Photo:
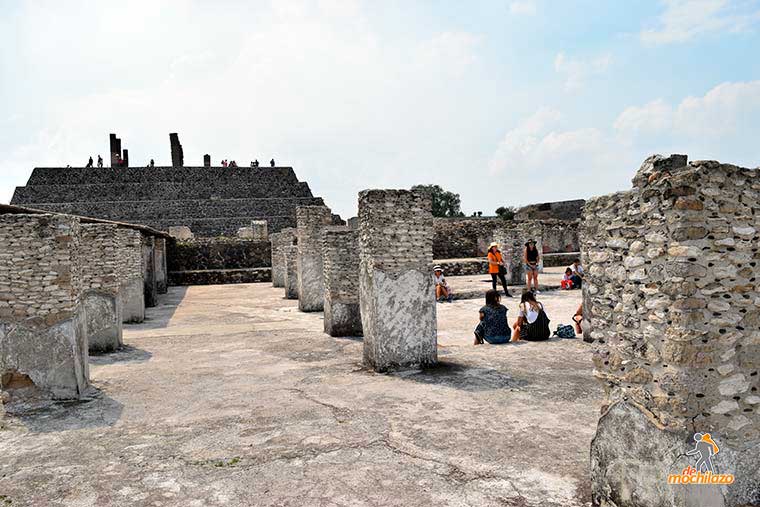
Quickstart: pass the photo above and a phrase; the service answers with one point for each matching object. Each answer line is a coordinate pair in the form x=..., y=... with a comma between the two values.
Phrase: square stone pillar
x=101, y=286
x=311, y=288
x=291, y=272
x=340, y=257
x=396, y=287
x=207, y=160
x=671, y=290
x=42, y=325
x=280, y=240
x=150, y=288
x=162, y=281
x=130, y=265
x=259, y=230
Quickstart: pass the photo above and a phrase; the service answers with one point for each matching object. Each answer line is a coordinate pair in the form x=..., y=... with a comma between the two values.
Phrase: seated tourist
x=578, y=318
x=442, y=289
x=532, y=322
x=493, y=327
x=577, y=275
x=567, y=280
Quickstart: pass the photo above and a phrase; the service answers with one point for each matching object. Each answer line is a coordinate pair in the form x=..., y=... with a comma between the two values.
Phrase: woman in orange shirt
x=496, y=267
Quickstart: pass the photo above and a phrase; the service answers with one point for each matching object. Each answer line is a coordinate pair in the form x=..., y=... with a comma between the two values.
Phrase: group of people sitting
x=532, y=323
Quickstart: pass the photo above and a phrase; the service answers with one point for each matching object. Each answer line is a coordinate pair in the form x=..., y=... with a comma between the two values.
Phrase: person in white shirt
x=442, y=289
x=577, y=276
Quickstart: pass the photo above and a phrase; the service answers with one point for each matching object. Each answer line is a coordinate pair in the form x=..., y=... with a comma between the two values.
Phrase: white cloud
x=594, y=160
x=527, y=7
x=684, y=20
x=577, y=71
x=723, y=110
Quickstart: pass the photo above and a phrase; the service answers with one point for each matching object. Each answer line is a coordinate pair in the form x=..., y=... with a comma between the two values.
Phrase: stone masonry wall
x=130, y=268
x=311, y=289
x=673, y=298
x=340, y=256
x=291, y=272
x=101, y=251
x=278, y=241
x=396, y=287
x=42, y=331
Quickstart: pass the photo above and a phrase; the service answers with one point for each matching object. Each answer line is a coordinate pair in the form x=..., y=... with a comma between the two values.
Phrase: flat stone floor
x=228, y=395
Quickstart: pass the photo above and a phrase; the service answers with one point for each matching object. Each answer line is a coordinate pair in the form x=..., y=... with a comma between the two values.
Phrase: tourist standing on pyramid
x=100, y=161
x=89, y=163
x=271, y=162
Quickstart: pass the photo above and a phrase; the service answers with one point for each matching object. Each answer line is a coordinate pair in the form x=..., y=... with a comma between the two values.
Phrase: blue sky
x=504, y=102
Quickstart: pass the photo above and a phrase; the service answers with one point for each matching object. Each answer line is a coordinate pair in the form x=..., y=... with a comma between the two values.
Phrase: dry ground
x=228, y=395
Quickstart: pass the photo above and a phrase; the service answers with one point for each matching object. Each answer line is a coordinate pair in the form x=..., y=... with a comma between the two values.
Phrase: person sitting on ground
x=577, y=275
x=493, y=327
x=567, y=280
x=224, y=163
x=89, y=163
x=442, y=289
x=532, y=322
x=152, y=163
x=531, y=258
x=256, y=163
x=497, y=268
x=578, y=318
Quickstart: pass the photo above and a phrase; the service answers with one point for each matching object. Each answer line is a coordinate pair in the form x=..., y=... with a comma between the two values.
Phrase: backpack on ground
x=565, y=331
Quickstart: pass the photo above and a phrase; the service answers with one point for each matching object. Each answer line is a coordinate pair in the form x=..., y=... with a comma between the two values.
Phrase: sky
x=505, y=102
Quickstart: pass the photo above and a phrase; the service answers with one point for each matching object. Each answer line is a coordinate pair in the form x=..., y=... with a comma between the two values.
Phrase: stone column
x=340, y=256
x=396, y=287
x=132, y=287
x=43, y=338
x=291, y=272
x=178, y=157
x=115, y=149
x=259, y=230
x=149, y=271
x=280, y=240
x=101, y=286
x=311, y=288
x=671, y=290
x=206, y=160
x=162, y=282
x=125, y=158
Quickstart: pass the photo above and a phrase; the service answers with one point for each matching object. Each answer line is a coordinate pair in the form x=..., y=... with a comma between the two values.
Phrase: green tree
x=506, y=212
x=445, y=203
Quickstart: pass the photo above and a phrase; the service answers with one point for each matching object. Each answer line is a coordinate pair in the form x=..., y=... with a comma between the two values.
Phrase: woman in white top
x=532, y=323
x=442, y=290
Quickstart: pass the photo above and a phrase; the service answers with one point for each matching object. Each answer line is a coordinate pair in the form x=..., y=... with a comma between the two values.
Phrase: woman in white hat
x=442, y=290
x=496, y=267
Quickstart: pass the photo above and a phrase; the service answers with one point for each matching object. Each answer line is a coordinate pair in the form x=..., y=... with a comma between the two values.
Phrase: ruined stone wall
x=674, y=304
x=42, y=332
x=278, y=242
x=130, y=268
x=560, y=210
x=396, y=286
x=101, y=283
x=218, y=253
x=311, y=289
x=457, y=238
x=340, y=256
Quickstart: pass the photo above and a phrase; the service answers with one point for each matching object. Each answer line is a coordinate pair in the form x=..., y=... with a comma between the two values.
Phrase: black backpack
x=538, y=330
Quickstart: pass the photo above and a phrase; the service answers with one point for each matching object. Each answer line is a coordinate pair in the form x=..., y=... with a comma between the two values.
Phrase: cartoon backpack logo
x=705, y=448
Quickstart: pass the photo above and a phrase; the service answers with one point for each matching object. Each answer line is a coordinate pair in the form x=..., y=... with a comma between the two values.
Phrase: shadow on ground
x=462, y=376
x=125, y=354
x=93, y=410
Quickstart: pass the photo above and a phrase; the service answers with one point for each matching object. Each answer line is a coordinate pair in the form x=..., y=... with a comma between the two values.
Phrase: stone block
x=181, y=233
x=162, y=281
x=150, y=287
x=280, y=240
x=103, y=320
x=311, y=288
x=291, y=272
x=397, y=293
x=340, y=256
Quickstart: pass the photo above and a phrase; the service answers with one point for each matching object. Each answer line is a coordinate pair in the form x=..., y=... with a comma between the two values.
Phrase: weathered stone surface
x=280, y=240
x=181, y=232
x=397, y=293
x=42, y=327
x=340, y=257
x=671, y=324
x=291, y=271
x=149, y=270
x=311, y=288
x=162, y=278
